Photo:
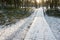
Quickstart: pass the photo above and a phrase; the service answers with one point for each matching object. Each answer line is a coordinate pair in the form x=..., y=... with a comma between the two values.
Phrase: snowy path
x=40, y=30
x=28, y=29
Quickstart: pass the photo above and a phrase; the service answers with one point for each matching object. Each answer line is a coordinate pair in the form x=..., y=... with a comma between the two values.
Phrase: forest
x=10, y=10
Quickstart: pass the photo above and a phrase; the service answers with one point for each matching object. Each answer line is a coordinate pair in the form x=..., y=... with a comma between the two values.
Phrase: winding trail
x=34, y=27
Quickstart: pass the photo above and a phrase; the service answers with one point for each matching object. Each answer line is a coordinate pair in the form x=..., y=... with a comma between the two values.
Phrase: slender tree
x=35, y=3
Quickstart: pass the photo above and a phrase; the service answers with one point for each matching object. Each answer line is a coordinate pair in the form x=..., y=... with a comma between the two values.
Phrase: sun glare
x=38, y=1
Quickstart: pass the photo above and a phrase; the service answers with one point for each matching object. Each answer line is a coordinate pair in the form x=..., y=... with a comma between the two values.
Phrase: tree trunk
x=35, y=4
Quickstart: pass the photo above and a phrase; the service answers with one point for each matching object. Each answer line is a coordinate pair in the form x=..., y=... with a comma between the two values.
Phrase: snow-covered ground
x=40, y=30
x=35, y=27
x=18, y=29
x=54, y=24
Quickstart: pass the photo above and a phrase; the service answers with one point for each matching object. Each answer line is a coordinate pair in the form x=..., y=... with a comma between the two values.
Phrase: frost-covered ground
x=54, y=24
x=40, y=29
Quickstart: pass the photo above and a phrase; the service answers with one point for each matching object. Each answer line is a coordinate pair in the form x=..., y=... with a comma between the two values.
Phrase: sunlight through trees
x=28, y=3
